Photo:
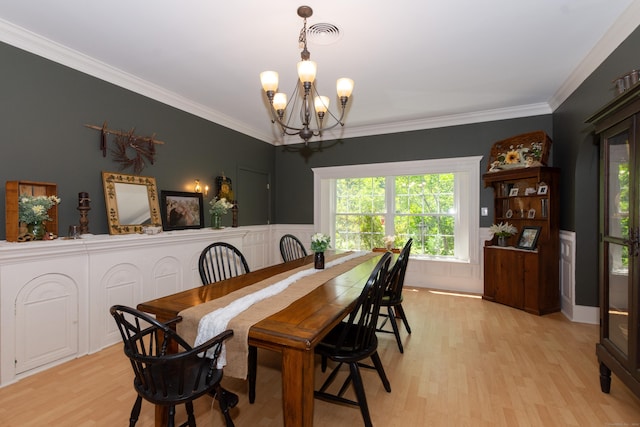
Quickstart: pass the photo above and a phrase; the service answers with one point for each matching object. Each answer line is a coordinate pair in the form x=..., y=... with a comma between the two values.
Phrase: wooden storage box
x=13, y=191
x=530, y=150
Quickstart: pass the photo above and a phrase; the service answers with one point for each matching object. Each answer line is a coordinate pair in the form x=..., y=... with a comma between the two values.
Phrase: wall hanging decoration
x=130, y=150
x=225, y=191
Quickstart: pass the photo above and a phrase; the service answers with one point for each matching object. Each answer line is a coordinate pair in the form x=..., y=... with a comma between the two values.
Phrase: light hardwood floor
x=468, y=362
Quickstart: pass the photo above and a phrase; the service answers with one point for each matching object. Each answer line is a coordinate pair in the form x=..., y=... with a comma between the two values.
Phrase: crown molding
x=450, y=120
x=623, y=27
x=38, y=45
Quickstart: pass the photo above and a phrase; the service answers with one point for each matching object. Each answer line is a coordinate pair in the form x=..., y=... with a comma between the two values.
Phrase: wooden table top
x=301, y=325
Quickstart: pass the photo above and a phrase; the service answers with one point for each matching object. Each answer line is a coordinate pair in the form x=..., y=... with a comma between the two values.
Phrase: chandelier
x=310, y=124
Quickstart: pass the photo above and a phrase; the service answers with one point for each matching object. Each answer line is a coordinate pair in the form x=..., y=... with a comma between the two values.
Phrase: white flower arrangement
x=389, y=241
x=34, y=209
x=219, y=206
x=320, y=242
x=503, y=229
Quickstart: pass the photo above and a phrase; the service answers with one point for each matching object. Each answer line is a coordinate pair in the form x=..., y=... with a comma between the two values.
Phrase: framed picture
x=181, y=210
x=542, y=189
x=225, y=191
x=528, y=238
x=513, y=192
x=531, y=214
x=509, y=213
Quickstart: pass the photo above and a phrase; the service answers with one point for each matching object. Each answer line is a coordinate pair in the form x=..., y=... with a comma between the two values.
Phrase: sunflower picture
x=512, y=157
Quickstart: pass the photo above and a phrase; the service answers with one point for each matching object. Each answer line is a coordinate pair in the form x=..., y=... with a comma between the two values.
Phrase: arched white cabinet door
x=46, y=311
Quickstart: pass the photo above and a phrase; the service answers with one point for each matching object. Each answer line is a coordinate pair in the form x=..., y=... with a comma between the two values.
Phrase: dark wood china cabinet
x=617, y=125
x=525, y=278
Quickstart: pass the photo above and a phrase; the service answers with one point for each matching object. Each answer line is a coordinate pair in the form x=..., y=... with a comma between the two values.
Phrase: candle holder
x=234, y=215
x=84, y=208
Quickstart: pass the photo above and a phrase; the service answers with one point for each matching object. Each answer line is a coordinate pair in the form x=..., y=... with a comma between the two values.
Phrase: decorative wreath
x=143, y=151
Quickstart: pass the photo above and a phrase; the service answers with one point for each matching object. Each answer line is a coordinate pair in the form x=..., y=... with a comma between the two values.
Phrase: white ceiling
x=416, y=64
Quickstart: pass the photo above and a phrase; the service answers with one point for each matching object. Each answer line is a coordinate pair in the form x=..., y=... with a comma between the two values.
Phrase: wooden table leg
x=297, y=387
x=162, y=416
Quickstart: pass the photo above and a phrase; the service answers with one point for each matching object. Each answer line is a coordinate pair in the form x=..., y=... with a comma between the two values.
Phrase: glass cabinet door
x=619, y=236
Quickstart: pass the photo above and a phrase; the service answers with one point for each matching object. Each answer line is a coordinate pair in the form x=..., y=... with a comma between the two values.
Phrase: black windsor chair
x=166, y=378
x=220, y=261
x=392, y=298
x=291, y=248
x=354, y=340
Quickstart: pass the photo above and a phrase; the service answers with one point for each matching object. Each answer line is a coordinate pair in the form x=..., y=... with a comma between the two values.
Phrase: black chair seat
x=390, y=299
x=349, y=349
x=175, y=379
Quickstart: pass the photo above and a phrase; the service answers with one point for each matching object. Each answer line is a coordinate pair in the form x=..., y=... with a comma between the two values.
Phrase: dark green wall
x=294, y=180
x=44, y=107
x=577, y=155
x=573, y=151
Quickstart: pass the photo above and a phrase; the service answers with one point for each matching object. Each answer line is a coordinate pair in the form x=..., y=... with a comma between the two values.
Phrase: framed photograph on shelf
x=513, y=192
x=542, y=189
x=531, y=214
x=181, y=210
x=529, y=237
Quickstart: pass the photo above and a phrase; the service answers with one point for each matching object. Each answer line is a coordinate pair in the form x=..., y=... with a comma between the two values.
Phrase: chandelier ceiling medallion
x=310, y=124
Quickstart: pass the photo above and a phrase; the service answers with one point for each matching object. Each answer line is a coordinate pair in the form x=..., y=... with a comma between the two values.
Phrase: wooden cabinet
x=617, y=125
x=527, y=279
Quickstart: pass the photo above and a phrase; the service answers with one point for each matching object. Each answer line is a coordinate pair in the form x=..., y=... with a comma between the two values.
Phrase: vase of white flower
x=319, y=244
x=318, y=260
x=503, y=231
x=218, y=208
x=37, y=230
x=34, y=211
x=216, y=221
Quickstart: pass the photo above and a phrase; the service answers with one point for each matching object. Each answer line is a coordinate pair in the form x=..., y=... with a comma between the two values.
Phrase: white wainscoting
x=574, y=312
x=55, y=295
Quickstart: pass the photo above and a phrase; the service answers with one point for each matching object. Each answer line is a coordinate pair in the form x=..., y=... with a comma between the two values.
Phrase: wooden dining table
x=293, y=331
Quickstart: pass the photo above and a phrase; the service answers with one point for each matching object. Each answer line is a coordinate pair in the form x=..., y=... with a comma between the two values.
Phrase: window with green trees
x=435, y=202
x=421, y=207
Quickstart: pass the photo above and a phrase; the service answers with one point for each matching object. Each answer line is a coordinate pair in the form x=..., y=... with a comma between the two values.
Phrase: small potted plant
x=503, y=231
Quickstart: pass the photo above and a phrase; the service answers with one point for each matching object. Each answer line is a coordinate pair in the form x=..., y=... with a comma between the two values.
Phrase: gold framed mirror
x=131, y=202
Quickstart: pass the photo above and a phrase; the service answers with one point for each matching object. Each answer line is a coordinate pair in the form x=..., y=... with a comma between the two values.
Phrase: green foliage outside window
x=623, y=207
x=424, y=210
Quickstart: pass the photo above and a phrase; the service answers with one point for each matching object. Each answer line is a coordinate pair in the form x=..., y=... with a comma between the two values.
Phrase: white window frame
x=467, y=201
